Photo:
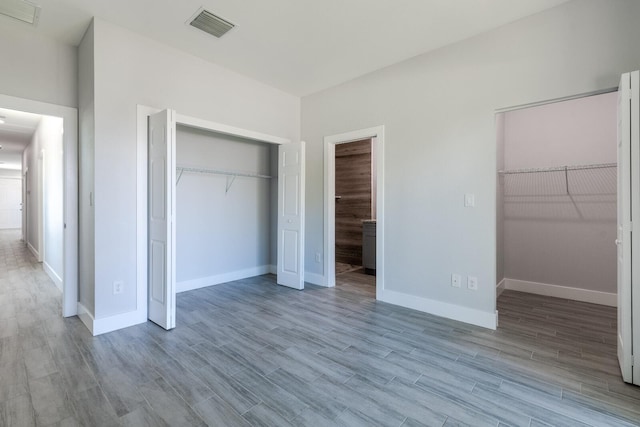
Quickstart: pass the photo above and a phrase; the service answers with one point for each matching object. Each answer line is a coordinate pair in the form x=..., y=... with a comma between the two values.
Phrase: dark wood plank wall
x=353, y=186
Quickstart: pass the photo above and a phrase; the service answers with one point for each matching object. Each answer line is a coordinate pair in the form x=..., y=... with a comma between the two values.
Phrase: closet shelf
x=559, y=168
x=579, y=180
x=230, y=174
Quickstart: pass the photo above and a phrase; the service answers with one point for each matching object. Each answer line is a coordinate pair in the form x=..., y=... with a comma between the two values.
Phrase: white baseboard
x=500, y=288
x=577, y=294
x=438, y=308
x=52, y=275
x=203, y=282
x=315, y=279
x=111, y=323
x=33, y=251
x=273, y=269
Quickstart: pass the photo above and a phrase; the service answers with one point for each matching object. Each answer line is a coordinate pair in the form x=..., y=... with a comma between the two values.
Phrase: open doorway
x=354, y=220
x=355, y=213
x=39, y=153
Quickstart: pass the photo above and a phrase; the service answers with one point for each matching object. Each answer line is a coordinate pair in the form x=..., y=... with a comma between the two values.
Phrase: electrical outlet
x=318, y=257
x=472, y=283
x=118, y=287
x=469, y=200
x=456, y=280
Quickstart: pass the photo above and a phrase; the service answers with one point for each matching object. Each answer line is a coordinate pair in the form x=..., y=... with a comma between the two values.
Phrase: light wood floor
x=253, y=353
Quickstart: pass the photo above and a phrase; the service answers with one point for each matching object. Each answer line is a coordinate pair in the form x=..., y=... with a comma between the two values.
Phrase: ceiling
x=15, y=135
x=298, y=46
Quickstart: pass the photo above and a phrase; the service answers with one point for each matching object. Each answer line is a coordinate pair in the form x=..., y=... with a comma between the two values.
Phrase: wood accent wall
x=353, y=186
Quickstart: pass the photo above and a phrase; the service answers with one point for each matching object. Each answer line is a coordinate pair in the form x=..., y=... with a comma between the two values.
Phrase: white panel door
x=291, y=160
x=624, y=238
x=10, y=203
x=635, y=219
x=161, y=213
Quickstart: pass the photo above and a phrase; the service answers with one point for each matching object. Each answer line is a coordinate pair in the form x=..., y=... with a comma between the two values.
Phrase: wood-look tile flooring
x=253, y=353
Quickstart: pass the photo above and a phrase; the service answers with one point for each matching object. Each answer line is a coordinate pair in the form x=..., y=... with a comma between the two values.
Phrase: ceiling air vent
x=21, y=10
x=210, y=23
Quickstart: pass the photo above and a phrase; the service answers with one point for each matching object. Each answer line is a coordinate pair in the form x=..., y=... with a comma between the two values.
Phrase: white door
x=161, y=213
x=627, y=175
x=634, y=297
x=291, y=160
x=10, y=203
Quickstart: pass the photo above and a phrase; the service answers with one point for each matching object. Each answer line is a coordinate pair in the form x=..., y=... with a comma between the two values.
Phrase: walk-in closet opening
x=556, y=220
x=355, y=213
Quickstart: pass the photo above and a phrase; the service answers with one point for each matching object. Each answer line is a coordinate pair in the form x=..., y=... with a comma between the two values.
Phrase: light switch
x=469, y=200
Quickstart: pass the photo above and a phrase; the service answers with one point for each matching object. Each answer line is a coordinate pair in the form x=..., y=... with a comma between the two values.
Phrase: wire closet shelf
x=231, y=175
x=564, y=172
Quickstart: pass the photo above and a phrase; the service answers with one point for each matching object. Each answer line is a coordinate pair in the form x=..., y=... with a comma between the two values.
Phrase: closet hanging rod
x=181, y=169
x=559, y=168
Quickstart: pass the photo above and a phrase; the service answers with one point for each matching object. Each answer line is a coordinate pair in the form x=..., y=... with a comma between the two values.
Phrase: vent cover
x=21, y=10
x=210, y=23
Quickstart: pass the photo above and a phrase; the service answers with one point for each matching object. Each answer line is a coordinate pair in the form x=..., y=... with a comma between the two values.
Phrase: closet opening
x=226, y=191
x=223, y=204
x=557, y=193
x=355, y=214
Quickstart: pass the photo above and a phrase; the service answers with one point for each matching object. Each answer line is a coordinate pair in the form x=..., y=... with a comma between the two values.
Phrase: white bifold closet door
x=291, y=162
x=629, y=214
x=161, y=219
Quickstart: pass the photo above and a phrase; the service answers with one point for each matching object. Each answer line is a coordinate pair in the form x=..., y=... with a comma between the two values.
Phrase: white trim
x=442, y=309
x=108, y=324
x=229, y=130
x=566, y=292
x=330, y=142
x=203, y=282
x=70, y=153
x=33, y=251
x=119, y=321
x=500, y=288
x=314, y=279
x=52, y=275
x=556, y=100
x=273, y=269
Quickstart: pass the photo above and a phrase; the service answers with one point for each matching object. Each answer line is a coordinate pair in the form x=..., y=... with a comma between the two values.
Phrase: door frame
x=143, y=112
x=376, y=134
x=69, y=116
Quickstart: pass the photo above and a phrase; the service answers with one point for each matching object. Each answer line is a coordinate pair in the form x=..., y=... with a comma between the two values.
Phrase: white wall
x=43, y=159
x=162, y=77
x=551, y=237
x=439, y=110
x=219, y=232
x=10, y=173
x=35, y=67
x=86, y=149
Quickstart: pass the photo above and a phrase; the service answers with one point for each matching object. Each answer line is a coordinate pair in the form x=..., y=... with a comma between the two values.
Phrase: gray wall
x=35, y=67
x=45, y=192
x=551, y=237
x=221, y=232
x=162, y=77
x=439, y=113
x=86, y=149
x=499, y=198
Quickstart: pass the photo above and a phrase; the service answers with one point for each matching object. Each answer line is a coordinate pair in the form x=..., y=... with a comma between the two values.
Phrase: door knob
x=618, y=242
